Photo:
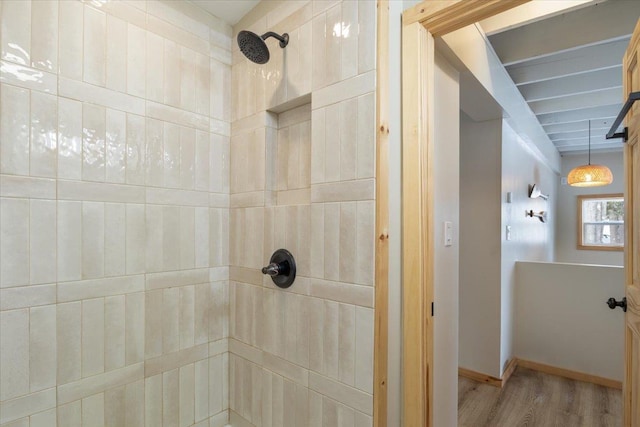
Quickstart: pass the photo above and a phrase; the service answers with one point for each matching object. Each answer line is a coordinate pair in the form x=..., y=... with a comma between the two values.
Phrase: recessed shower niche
x=288, y=195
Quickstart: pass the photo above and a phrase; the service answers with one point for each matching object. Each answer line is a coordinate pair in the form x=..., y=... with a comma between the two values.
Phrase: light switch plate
x=508, y=232
x=448, y=233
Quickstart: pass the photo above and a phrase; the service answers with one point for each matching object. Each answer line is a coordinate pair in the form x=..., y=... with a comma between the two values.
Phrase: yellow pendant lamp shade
x=590, y=175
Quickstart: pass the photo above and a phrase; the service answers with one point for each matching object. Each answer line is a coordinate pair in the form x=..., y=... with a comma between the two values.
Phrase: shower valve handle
x=272, y=269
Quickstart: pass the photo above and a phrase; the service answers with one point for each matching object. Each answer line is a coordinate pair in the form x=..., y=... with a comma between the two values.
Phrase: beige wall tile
x=69, y=135
x=201, y=390
x=94, y=46
x=93, y=337
x=115, y=406
x=170, y=320
x=27, y=296
x=349, y=396
x=99, y=383
x=153, y=323
x=85, y=289
x=43, y=144
x=135, y=404
x=135, y=239
x=364, y=349
x=349, y=32
x=116, y=134
x=42, y=347
x=114, y=326
x=171, y=398
x=70, y=414
x=16, y=32
x=69, y=340
x=330, y=342
x=187, y=316
x=23, y=186
x=347, y=242
x=93, y=143
x=69, y=240
x=93, y=411
x=92, y=240
x=155, y=63
x=42, y=241
x=114, y=239
x=11, y=410
x=71, y=17
x=135, y=149
x=187, y=395
x=14, y=145
x=14, y=242
x=134, y=328
x=14, y=353
x=44, y=418
x=136, y=60
x=346, y=344
x=153, y=401
x=366, y=135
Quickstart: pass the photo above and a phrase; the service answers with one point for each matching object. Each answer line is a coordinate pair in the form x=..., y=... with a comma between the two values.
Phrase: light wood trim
x=481, y=378
x=579, y=244
x=442, y=17
x=381, y=332
x=511, y=367
x=418, y=58
x=632, y=319
x=567, y=373
x=417, y=219
x=488, y=379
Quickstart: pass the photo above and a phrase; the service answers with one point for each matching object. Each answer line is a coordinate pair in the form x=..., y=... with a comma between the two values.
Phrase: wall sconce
x=542, y=215
x=535, y=192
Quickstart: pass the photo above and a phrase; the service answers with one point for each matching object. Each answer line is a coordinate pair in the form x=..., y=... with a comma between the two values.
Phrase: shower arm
x=283, y=39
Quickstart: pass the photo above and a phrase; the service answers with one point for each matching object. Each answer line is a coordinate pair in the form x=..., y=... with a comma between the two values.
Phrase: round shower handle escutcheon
x=281, y=268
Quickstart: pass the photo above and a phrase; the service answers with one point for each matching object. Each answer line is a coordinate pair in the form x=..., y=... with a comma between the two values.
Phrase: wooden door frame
x=420, y=25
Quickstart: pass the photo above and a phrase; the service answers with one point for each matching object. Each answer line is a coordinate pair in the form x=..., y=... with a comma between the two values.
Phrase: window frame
x=580, y=245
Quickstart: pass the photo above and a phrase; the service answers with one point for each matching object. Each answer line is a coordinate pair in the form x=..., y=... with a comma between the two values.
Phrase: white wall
x=562, y=319
x=531, y=240
x=446, y=201
x=479, y=296
x=567, y=227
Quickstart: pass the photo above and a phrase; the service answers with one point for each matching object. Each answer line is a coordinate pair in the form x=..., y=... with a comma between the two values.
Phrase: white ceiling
x=568, y=68
x=230, y=11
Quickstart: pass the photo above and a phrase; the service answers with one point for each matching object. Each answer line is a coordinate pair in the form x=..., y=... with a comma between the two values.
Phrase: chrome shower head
x=254, y=47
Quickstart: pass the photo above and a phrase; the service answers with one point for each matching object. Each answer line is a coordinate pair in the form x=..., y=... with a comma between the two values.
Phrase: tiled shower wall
x=302, y=168
x=114, y=186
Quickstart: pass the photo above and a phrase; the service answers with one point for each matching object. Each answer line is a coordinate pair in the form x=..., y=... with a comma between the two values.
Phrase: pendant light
x=590, y=175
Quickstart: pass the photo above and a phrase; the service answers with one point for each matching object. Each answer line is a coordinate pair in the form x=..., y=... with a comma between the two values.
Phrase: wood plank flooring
x=531, y=398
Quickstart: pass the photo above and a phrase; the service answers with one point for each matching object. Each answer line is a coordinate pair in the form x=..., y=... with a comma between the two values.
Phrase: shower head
x=254, y=47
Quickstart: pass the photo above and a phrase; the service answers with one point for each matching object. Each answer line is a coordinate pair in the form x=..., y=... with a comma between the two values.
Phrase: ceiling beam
x=596, y=123
x=579, y=115
x=588, y=82
x=594, y=146
x=589, y=58
x=581, y=100
x=582, y=134
x=527, y=13
x=613, y=19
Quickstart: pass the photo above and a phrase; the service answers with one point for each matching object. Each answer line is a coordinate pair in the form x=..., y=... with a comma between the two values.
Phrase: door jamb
x=421, y=24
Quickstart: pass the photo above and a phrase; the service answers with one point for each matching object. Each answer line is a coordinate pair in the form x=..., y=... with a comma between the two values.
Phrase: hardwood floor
x=531, y=398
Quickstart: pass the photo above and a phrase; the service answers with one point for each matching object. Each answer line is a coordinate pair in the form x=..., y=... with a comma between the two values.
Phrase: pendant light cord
x=589, y=142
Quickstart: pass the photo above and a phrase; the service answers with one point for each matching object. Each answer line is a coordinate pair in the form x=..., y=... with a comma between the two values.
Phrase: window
x=601, y=222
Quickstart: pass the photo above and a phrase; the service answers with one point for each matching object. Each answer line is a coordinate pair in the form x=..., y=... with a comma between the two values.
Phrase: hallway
x=531, y=398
